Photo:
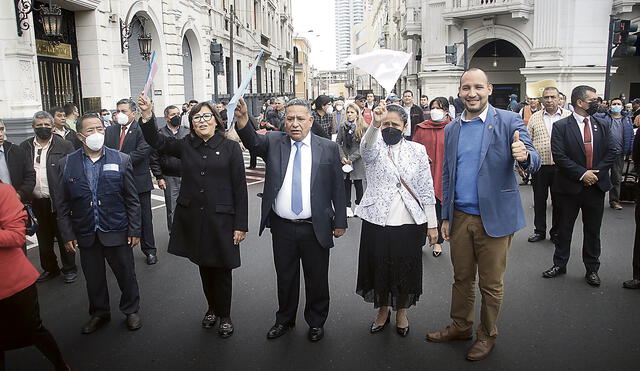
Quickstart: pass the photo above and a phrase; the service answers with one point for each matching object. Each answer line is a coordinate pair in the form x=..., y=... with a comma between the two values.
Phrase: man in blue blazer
x=304, y=205
x=481, y=207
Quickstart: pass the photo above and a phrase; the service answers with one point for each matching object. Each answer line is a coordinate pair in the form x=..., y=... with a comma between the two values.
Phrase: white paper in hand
x=231, y=107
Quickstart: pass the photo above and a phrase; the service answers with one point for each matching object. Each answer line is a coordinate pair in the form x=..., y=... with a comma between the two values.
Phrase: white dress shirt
x=41, y=189
x=282, y=204
x=549, y=119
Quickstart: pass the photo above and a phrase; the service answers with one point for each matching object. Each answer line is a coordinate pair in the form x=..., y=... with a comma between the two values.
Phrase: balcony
x=460, y=10
x=623, y=6
x=413, y=24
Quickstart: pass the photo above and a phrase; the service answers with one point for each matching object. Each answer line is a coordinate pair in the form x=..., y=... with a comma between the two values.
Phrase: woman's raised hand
x=379, y=114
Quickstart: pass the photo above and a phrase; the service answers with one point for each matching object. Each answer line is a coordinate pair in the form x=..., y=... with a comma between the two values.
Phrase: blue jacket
x=498, y=193
x=627, y=130
x=118, y=207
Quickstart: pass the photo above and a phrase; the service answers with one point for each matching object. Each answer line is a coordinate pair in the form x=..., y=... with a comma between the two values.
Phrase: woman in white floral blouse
x=397, y=209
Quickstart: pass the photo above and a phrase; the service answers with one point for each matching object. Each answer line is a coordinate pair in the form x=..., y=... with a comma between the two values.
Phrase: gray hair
x=399, y=110
x=132, y=105
x=300, y=102
x=42, y=115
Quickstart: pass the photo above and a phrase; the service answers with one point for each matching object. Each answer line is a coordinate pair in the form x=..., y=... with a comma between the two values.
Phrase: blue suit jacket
x=498, y=194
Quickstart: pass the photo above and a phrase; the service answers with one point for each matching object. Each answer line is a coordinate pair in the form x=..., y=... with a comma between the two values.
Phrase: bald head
x=474, y=91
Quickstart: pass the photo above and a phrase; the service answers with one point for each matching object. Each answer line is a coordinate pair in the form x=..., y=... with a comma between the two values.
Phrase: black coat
x=327, y=184
x=59, y=149
x=72, y=137
x=166, y=165
x=416, y=116
x=568, y=152
x=213, y=197
x=23, y=177
x=135, y=146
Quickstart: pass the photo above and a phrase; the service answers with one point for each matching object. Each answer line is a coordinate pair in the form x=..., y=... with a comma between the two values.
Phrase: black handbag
x=32, y=221
x=629, y=184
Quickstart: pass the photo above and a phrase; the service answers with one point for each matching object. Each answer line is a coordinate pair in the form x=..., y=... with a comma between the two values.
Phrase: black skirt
x=390, y=264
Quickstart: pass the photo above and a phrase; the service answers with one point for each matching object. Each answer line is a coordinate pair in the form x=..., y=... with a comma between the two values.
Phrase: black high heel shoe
x=209, y=320
x=377, y=328
x=403, y=331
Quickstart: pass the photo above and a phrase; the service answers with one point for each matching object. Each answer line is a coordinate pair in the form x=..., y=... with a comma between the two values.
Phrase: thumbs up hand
x=518, y=150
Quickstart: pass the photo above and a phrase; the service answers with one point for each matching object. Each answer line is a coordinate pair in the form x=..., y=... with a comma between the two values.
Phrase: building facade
x=348, y=13
x=515, y=41
x=302, y=65
x=332, y=83
x=98, y=59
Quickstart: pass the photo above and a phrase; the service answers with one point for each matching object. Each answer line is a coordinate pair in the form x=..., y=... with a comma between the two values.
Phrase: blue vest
x=112, y=215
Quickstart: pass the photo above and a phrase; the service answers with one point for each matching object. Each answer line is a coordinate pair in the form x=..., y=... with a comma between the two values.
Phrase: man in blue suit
x=481, y=207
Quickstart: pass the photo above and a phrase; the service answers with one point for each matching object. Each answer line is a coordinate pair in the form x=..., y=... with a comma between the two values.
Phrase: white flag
x=384, y=65
x=231, y=106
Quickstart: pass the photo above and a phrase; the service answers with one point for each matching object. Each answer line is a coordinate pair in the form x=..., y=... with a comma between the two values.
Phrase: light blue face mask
x=616, y=109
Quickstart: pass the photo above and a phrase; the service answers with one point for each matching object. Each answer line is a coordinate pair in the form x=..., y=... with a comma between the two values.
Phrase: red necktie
x=123, y=134
x=588, y=145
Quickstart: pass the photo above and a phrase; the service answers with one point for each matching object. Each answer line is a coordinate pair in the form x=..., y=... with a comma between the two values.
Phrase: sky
x=319, y=17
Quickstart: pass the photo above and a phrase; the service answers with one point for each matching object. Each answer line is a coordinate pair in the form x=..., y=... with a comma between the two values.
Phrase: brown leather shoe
x=481, y=349
x=449, y=334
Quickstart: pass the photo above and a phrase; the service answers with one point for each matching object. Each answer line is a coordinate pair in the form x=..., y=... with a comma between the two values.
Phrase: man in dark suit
x=583, y=150
x=127, y=138
x=99, y=213
x=303, y=187
x=413, y=111
x=15, y=169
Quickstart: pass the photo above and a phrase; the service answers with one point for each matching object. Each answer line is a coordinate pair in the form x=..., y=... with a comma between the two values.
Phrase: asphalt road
x=545, y=324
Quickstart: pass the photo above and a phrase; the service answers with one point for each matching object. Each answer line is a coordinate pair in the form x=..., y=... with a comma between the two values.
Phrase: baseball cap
x=360, y=97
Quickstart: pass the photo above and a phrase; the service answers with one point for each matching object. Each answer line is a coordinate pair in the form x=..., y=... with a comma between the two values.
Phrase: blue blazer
x=498, y=193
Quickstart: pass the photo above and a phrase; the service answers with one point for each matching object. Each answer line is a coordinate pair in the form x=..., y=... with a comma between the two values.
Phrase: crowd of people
x=88, y=181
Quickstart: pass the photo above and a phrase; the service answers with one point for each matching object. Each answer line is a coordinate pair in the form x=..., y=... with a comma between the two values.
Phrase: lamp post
x=144, y=43
x=281, y=63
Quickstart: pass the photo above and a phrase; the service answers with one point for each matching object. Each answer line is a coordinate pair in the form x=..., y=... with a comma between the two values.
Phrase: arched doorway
x=138, y=67
x=187, y=70
x=502, y=61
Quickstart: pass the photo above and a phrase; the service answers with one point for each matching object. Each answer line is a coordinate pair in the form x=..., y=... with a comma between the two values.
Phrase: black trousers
x=636, y=245
x=216, y=283
x=120, y=259
x=293, y=242
x=20, y=326
x=253, y=161
x=347, y=188
x=147, y=241
x=591, y=202
x=47, y=232
x=542, y=182
x=439, y=216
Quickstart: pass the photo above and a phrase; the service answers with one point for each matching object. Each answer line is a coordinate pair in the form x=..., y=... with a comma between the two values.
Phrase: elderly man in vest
x=99, y=214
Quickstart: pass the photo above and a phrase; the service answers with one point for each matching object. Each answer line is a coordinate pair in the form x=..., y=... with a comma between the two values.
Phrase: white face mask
x=437, y=114
x=329, y=110
x=338, y=108
x=95, y=141
x=106, y=117
x=122, y=118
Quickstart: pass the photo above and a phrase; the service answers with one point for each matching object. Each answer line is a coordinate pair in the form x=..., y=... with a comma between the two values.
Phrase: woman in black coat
x=210, y=218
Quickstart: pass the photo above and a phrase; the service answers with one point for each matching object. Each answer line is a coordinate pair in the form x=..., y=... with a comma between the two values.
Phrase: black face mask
x=175, y=121
x=593, y=108
x=391, y=135
x=43, y=133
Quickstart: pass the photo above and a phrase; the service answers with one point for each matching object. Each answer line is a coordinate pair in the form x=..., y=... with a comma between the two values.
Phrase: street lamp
x=51, y=18
x=144, y=43
x=281, y=63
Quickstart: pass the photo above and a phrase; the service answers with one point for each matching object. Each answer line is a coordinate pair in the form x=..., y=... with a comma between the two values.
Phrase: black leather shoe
x=209, y=320
x=152, y=259
x=631, y=284
x=316, y=333
x=403, y=331
x=278, y=330
x=225, y=328
x=377, y=328
x=94, y=324
x=133, y=321
x=535, y=237
x=46, y=276
x=70, y=277
x=554, y=238
x=554, y=272
x=592, y=279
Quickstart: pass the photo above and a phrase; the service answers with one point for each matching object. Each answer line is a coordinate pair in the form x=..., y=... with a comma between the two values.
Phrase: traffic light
x=623, y=38
x=216, y=53
x=451, y=54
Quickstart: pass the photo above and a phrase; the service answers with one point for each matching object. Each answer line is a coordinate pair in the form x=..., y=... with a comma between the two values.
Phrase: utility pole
x=466, y=46
x=231, y=61
x=607, y=76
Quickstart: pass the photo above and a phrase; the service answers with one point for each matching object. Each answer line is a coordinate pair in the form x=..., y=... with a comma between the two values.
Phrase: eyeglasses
x=204, y=117
x=38, y=155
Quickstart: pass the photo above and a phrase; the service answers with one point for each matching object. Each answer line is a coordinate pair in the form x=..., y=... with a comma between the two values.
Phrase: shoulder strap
x=403, y=182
